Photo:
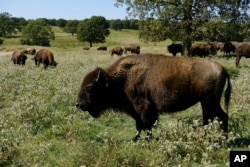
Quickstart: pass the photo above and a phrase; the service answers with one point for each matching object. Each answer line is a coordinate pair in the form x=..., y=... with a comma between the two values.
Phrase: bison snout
x=81, y=106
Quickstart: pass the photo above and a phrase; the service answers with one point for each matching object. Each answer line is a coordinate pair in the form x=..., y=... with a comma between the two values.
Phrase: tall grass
x=40, y=125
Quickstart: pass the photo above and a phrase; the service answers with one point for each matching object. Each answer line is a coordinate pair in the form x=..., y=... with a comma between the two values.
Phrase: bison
x=228, y=48
x=46, y=57
x=116, y=50
x=242, y=50
x=133, y=48
x=203, y=50
x=18, y=57
x=175, y=48
x=104, y=48
x=146, y=85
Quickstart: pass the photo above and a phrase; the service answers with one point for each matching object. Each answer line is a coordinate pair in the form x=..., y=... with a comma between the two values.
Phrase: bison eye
x=88, y=89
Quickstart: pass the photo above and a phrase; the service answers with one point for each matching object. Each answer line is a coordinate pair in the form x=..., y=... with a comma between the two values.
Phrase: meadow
x=41, y=127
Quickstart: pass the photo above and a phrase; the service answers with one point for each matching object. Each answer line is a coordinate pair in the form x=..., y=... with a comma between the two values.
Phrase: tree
x=37, y=32
x=187, y=18
x=7, y=26
x=116, y=24
x=93, y=30
x=71, y=26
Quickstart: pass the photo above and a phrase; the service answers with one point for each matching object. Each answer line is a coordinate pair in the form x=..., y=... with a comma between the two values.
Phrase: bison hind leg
x=210, y=112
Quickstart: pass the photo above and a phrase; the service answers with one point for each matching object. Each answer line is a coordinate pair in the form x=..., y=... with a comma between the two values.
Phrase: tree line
x=179, y=20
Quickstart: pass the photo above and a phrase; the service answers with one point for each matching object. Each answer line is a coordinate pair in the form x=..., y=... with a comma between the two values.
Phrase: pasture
x=40, y=125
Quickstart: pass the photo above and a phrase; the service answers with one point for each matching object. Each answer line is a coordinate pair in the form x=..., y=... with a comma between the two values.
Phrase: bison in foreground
x=18, y=57
x=146, y=85
x=46, y=57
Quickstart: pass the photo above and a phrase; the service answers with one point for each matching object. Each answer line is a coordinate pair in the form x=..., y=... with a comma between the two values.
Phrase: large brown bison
x=18, y=57
x=203, y=50
x=133, y=48
x=242, y=50
x=175, y=48
x=116, y=50
x=146, y=85
x=46, y=57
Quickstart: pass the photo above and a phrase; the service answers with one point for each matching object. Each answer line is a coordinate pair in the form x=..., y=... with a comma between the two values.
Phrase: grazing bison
x=175, y=48
x=203, y=50
x=46, y=57
x=242, y=50
x=146, y=85
x=18, y=57
x=85, y=48
x=102, y=48
x=228, y=48
x=116, y=50
x=133, y=48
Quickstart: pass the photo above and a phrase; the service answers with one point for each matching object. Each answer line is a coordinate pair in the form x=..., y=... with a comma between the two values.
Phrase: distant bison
x=242, y=50
x=228, y=48
x=203, y=50
x=116, y=50
x=85, y=48
x=133, y=48
x=102, y=48
x=175, y=48
x=18, y=57
x=46, y=57
x=146, y=85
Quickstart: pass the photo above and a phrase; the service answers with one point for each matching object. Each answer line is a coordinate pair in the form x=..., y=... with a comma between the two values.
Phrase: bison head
x=93, y=93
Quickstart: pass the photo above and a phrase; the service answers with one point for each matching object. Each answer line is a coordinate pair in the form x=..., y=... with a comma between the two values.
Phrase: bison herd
x=241, y=49
x=43, y=56
x=146, y=85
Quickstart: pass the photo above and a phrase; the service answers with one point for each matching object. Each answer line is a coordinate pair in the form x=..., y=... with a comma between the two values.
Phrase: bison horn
x=98, y=75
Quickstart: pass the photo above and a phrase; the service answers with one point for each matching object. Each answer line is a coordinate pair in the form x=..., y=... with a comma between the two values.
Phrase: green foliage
x=71, y=26
x=93, y=30
x=37, y=32
x=7, y=26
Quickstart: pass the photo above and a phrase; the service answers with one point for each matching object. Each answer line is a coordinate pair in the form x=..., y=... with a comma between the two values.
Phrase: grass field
x=41, y=127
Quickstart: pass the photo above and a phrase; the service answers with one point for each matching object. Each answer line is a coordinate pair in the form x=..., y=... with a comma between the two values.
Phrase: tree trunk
x=187, y=25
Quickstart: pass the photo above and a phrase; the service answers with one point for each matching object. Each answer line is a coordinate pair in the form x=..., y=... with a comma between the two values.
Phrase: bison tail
x=228, y=92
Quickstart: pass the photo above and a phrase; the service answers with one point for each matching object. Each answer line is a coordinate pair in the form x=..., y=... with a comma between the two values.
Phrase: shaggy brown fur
x=46, y=57
x=145, y=85
x=18, y=57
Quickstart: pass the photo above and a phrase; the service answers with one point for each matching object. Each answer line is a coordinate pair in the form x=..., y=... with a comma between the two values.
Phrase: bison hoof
x=136, y=138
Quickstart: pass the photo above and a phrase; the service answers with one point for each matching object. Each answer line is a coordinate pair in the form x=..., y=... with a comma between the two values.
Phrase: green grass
x=40, y=125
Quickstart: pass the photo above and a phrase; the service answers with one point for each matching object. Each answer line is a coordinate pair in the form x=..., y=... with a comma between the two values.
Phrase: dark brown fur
x=46, y=57
x=175, y=48
x=116, y=50
x=146, y=85
x=242, y=50
x=203, y=50
x=19, y=58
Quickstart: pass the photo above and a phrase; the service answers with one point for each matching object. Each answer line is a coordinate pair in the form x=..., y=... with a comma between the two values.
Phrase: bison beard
x=145, y=85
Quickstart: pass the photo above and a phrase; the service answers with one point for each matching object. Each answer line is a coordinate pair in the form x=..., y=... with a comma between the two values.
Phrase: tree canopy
x=37, y=32
x=7, y=25
x=187, y=20
x=93, y=30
